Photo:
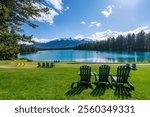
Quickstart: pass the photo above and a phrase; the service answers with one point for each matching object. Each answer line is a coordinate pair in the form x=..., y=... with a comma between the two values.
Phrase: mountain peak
x=62, y=43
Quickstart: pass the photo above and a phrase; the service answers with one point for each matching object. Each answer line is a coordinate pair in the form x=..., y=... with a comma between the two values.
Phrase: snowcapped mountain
x=109, y=33
x=103, y=35
x=62, y=43
x=79, y=39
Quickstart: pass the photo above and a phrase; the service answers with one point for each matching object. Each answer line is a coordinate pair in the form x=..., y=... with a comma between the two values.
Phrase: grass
x=32, y=83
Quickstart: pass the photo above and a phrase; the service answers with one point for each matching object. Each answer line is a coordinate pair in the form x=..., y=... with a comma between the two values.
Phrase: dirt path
x=7, y=67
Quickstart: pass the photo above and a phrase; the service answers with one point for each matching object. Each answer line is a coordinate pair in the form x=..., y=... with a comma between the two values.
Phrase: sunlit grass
x=30, y=82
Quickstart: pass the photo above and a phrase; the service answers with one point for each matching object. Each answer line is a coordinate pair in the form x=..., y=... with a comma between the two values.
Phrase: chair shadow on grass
x=123, y=92
x=100, y=89
x=78, y=89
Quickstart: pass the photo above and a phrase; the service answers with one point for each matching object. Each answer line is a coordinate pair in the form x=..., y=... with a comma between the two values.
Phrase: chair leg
x=130, y=85
x=110, y=84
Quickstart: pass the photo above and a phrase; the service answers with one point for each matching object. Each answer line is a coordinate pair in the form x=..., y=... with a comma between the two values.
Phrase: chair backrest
x=47, y=64
x=85, y=73
x=52, y=64
x=43, y=64
x=39, y=65
x=104, y=73
x=123, y=74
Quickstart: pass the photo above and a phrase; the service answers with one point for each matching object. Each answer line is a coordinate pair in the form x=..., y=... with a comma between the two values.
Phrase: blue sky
x=75, y=18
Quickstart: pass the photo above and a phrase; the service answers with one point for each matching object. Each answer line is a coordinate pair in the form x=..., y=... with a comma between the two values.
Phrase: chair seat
x=98, y=78
x=91, y=73
x=114, y=79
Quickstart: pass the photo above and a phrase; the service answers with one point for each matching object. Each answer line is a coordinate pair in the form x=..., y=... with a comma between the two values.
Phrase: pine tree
x=140, y=41
x=13, y=14
x=147, y=42
x=131, y=42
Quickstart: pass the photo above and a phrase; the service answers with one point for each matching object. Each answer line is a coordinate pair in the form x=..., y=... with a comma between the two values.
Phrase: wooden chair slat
x=103, y=73
x=85, y=73
x=122, y=76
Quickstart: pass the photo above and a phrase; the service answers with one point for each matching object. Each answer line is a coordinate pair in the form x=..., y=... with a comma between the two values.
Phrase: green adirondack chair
x=39, y=64
x=43, y=64
x=85, y=74
x=102, y=76
x=52, y=65
x=122, y=77
x=47, y=64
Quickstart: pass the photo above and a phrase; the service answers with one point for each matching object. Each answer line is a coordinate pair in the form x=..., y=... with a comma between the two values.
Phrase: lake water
x=88, y=56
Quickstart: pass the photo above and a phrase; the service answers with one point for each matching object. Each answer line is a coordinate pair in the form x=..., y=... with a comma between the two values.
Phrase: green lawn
x=30, y=82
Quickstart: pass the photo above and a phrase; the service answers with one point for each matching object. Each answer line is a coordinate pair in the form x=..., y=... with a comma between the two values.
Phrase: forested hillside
x=130, y=42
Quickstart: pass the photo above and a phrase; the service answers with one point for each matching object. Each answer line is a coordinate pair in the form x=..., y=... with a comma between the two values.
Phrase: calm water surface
x=88, y=56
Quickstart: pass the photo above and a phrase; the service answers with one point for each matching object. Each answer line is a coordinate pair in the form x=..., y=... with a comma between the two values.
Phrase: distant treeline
x=27, y=49
x=131, y=42
x=65, y=48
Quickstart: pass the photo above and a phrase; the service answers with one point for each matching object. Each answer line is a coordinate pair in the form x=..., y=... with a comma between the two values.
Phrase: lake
x=88, y=56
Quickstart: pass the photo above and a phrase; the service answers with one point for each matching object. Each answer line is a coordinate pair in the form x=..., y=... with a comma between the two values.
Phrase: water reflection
x=88, y=56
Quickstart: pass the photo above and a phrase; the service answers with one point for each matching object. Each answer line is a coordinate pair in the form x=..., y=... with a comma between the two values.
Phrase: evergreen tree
x=147, y=42
x=13, y=14
x=23, y=48
x=129, y=43
x=140, y=41
x=133, y=42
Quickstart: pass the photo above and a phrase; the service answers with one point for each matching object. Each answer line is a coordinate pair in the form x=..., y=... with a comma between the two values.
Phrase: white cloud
x=37, y=40
x=58, y=4
x=67, y=8
x=107, y=11
x=48, y=17
x=83, y=22
x=40, y=40
x=97, y=24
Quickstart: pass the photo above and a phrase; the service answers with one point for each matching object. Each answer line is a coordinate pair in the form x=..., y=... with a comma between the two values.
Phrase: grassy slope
x=30, y=82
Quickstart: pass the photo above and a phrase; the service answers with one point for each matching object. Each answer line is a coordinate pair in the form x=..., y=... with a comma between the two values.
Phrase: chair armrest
x=92, y=73
x=113, y=78
x=96, y=75
x=110, y=74
x=91, y=80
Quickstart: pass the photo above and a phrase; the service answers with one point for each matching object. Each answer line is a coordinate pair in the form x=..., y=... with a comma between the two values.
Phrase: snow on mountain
x=108, y=33
x=62, y=43
x=79, y=39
